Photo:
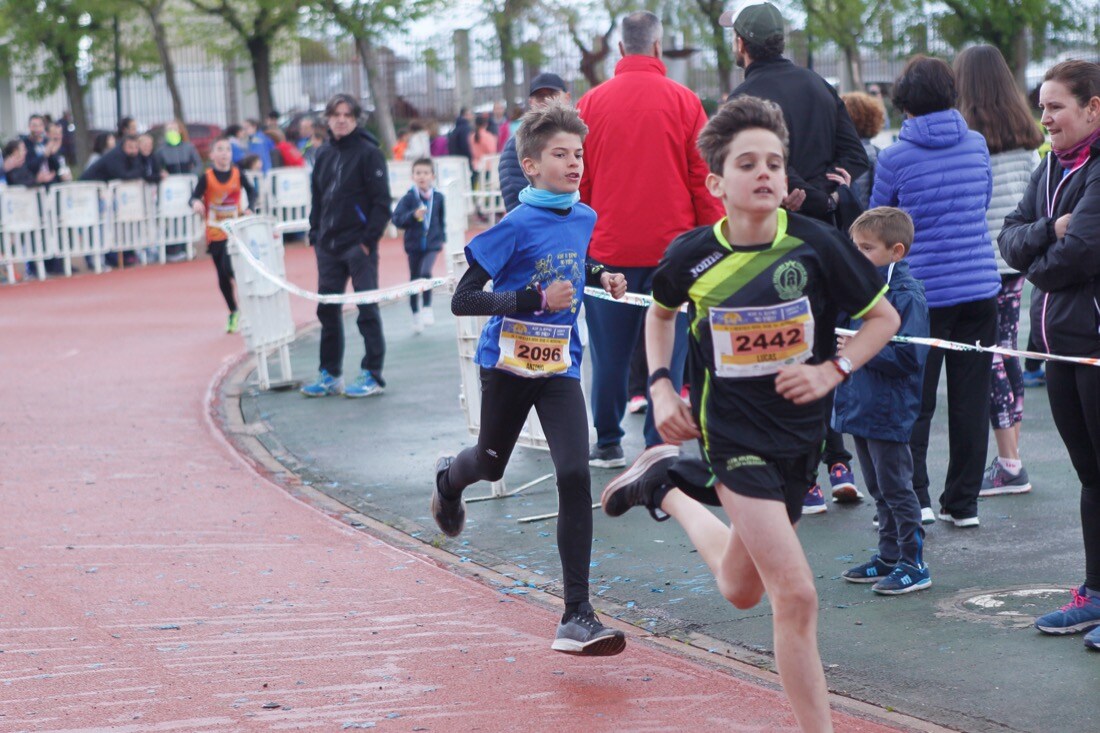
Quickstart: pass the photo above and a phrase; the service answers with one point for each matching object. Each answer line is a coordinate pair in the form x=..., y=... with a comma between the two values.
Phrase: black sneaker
x=449, y=514
x=583, y=634
x=608, y=456
x=641, y=484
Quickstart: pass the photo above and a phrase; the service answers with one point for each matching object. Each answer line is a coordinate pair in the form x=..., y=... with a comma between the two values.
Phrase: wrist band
x=659, y=374
x=542, y=294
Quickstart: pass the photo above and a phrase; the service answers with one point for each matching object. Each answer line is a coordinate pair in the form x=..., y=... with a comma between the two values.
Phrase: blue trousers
x=888, y=474
x=614, y=329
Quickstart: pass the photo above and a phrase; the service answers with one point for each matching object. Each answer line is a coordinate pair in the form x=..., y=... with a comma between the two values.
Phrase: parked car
x=202, y=134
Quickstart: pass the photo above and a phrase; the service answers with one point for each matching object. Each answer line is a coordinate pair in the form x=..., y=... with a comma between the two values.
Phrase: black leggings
x=420, y=266
x=220, y=254
x=506, y=400
x=1074, y=392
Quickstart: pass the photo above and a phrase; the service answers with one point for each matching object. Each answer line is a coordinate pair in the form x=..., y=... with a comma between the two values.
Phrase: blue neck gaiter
x=544, y=199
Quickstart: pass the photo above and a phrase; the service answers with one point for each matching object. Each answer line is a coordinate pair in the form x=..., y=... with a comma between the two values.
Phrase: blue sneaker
x=1037, y=378
x=843, y=484
x=904, y=578
x=325, y=385
x=365, y=385
x=1092, y=639
x=814, y=501
x=1080, y=614
x=871, y=571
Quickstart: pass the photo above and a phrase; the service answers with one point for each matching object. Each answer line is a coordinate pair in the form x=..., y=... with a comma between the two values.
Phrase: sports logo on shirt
x=790, y=279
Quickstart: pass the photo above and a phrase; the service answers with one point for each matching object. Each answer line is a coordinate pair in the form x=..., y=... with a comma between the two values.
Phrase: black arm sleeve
x=470, y=299
x=249, y=191
x=200, y=189
x=592, y=273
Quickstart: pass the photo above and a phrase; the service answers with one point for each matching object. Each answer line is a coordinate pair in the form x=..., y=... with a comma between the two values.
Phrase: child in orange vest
x=223, y=192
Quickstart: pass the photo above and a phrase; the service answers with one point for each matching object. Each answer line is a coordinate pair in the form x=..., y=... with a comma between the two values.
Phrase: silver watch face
x=845, y=364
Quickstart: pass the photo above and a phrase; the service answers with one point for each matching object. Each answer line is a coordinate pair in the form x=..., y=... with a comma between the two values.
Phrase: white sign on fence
x=78, y=205
x=292, y=187
x=21, y=213
x=129, y=201
x=175, y=195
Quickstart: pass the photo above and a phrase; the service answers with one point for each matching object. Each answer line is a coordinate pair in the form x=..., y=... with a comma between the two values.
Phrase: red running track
x=152, y=581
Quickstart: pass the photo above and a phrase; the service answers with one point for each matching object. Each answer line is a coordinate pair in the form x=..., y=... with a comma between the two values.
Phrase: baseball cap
x=754, y=22
x=546, y=81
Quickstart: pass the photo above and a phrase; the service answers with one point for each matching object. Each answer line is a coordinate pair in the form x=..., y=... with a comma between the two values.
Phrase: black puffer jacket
x=1066, y=271
x=114, y=165
x=351, y=193
x=512, y=180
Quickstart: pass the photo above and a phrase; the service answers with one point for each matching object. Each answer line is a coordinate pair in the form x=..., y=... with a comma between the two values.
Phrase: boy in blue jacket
x=879, y=405
x=420, y=213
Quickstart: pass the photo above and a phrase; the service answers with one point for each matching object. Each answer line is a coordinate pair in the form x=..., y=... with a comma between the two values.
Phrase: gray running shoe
x=449, y=514
x=582, y=634
x=998, y=481
x=609, y=456
x=640, y=484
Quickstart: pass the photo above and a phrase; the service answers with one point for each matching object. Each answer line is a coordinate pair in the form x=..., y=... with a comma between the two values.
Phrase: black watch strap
x=659, y=374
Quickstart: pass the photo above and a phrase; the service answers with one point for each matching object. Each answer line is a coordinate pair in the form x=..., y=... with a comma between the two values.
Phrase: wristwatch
x=843, y=365
x=659, y=374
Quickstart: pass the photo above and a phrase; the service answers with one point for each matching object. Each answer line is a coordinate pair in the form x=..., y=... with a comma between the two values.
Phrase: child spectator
x=868, y=115
x=420, y=145
x=402, y=143
x=993, y=105
x=223, y=192
x=879, y=405
x=291, y=157
x=320, y=134
x=530, y=353
x=151, y=170
x=762, y=287
x=251, y=164
x=482, y=142
x=420, y=213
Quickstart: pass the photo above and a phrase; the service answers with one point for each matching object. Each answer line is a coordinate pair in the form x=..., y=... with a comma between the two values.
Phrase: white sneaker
x=927, y=516
x=427, y=317
x=418, y=323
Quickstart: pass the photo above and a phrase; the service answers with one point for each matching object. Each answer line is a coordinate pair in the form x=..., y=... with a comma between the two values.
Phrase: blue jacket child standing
x=878, y=406
x=421, y=213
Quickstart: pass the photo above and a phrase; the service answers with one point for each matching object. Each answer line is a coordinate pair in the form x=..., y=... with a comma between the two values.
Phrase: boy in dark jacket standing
x=879, y=405
x=421, y=214
x=351, y=208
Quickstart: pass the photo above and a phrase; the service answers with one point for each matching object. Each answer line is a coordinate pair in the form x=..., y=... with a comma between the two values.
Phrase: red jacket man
x=645, y=178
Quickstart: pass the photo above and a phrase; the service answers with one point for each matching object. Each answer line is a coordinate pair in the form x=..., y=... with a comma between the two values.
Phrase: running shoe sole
x=846, y=494
x=649, y=457
x=919, y=585
x=607, y=462
x=1003, y=490
x=1067, y=630
x=818, y=509
x=964, y=523
x=605, y=646
x=359, y=396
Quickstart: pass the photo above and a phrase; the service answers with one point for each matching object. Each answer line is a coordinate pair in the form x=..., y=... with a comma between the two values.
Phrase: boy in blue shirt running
x=530, y=354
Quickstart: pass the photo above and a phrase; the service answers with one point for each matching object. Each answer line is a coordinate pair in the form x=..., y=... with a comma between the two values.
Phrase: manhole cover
x=1017, y=607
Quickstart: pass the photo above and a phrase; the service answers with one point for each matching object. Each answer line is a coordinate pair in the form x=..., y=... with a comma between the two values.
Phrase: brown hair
x=866, y=112
x=541, y=124
x=184, y=135
x=733, y=118
x=275, y=134
x=1082, y=78
x=991, y=103
x=886, y=224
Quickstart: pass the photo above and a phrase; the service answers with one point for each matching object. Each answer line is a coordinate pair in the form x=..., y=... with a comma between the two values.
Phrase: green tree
x=1010, y=25
x=68, y=34
x=154, y=11
x=259, y=24
x=366, y=22
x=721, y=43
x=591, y=20
x=506, y=16
x=845, y=22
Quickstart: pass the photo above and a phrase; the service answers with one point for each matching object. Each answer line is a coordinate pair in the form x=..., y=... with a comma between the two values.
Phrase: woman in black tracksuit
x=1053, y=237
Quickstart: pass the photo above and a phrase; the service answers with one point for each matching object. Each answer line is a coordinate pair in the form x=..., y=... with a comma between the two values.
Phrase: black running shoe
x=583, y=634
x=449, y=514
x=641, y=484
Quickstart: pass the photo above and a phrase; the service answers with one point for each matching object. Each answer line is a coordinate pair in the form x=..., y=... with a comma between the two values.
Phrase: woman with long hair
x=993, y=105
x=177, y=154
x=938, y=173
x=1053, y=237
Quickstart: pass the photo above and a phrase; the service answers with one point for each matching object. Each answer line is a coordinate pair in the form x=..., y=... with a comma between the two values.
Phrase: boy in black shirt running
x=763, y=289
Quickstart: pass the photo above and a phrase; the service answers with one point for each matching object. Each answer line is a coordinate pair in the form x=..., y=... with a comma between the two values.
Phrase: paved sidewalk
x=152, y=580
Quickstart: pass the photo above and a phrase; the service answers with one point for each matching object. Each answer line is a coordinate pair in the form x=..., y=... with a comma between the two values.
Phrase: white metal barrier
x=25, y=231
x=128, y=213
x=175, y=222
x=265, y=307
x=78, y=219
x=288, y=197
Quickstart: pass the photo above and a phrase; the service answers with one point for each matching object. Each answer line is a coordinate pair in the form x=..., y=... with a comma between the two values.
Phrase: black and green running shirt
x=754, y=309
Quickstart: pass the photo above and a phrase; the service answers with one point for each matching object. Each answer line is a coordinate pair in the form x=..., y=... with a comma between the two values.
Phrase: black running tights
x=220, y=254
x=506, y=400
x=1074, y=392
